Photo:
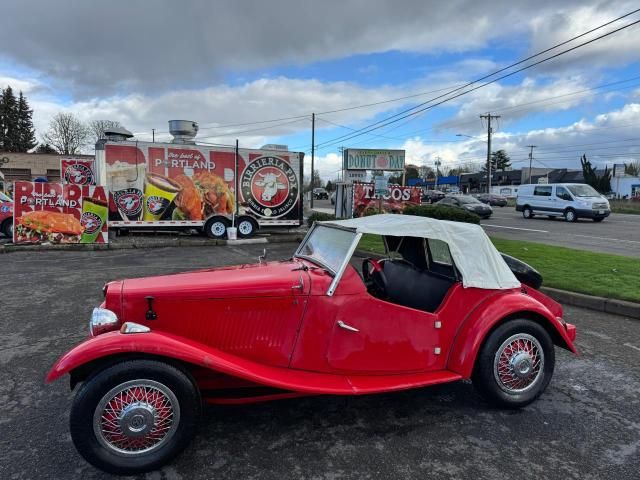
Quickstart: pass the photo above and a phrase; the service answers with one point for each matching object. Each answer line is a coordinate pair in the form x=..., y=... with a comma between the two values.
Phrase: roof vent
x=117, y=134
x=183, y=131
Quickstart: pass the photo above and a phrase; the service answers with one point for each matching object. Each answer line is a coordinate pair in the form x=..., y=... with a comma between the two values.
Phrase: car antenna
x=262, y=257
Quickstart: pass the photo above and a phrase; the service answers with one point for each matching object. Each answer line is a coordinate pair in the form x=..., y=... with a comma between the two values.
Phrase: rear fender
x=493, y=311
x=110, y=346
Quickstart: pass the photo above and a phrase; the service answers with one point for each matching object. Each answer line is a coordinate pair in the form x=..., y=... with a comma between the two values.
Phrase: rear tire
x=515, y=364
x=247, y=227
x=216, y=227
x=570, y=215
x=7, y=228
x=527, y=212
x=135, y=416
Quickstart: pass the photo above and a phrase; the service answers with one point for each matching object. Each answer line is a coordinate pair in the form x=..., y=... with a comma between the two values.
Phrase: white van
x=568, y=200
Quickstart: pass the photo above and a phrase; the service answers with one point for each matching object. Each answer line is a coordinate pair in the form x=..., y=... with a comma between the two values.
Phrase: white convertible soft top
x=480, y=264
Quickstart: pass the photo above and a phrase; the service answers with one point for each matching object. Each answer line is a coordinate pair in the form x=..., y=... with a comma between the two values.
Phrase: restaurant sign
x=372, y=159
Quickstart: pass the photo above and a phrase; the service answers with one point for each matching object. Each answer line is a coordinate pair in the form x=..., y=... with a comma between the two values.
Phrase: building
x=31, y=166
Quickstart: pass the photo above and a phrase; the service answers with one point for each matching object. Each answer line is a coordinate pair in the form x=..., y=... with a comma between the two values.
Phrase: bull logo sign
x=269, y=187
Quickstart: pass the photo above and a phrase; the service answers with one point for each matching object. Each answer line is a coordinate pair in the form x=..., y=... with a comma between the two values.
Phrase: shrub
x=441, y=212
x=319, y=217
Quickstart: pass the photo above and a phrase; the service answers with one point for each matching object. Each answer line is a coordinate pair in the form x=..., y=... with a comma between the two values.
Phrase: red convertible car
x=441, y=306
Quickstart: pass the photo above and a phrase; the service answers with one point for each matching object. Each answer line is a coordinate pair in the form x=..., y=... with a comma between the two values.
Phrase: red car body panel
x=183, y=349
x=274, y=325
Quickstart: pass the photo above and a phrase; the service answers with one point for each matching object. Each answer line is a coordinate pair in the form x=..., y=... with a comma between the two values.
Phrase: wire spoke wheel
x=136, y=417
x=519, y=363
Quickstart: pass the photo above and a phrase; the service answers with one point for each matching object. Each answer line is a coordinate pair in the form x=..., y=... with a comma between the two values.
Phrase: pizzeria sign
x=373, y=159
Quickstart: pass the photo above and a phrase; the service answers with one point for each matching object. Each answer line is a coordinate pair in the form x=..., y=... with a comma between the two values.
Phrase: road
x=586, y=426
x=619, y=233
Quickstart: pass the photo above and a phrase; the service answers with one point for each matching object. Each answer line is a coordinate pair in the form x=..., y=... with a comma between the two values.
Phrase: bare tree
x=66, y=134
x=98, y=127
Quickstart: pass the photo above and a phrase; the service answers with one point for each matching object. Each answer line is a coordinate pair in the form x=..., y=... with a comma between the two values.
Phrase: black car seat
x=411, y=287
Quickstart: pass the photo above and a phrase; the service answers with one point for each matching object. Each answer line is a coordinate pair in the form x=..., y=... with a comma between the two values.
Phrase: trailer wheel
x=247, y=227
x=216, y=227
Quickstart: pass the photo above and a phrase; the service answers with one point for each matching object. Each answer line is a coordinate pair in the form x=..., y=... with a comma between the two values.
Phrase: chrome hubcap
x=136, y=417
x=245, y=227
x=519, y=363
x=218, y=229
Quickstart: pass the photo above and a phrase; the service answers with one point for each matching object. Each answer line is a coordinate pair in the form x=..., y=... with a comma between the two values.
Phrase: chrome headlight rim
x=102, y=320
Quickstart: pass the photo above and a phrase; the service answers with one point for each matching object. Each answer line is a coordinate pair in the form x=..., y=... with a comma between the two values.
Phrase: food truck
x=184, y=185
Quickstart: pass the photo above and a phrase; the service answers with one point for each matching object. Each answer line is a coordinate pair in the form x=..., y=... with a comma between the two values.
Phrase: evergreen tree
x=45, y=148
x=602, y=183
x=26, y=134
x=500, y=161
x=8, y=120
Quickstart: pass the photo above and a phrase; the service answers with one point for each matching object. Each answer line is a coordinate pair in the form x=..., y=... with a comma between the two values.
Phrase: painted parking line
x=609, y=239
x=514, y=228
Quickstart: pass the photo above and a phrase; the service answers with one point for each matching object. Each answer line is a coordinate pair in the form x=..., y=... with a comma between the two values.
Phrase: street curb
x=163, y=243
x=599, y=304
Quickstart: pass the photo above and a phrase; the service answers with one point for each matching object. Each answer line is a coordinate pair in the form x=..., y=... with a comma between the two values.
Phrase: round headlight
x=102, y=321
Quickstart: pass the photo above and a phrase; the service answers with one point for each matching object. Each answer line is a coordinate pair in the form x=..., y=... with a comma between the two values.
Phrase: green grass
x=600, y=274
x=625, y=206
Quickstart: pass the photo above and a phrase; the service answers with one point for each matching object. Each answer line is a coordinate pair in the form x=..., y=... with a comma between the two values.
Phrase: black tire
x=570, y=215
x=597, y=220
x=216, y=227
x=485, y=376
x=527, y=212
x=7, y=228
x=95, y=448
x=247, y=227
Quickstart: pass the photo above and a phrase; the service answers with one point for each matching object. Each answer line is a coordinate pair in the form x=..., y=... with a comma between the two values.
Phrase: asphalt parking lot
x=618, y=234
x=585, y=426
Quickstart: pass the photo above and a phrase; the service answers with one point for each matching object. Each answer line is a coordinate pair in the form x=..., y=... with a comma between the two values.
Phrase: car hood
x=267, y=279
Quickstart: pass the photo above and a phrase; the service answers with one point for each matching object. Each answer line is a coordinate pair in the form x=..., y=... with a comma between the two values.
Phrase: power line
x=388, y=120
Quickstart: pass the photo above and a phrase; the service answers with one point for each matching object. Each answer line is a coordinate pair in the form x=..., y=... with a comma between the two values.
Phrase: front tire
x=570, y=215
x=515, y=364
x=134, y=416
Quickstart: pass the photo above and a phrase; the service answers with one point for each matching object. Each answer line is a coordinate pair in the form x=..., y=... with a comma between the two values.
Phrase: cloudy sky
x=255, y=70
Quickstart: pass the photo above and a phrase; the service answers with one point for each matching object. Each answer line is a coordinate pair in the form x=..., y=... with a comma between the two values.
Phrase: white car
x=568, y=200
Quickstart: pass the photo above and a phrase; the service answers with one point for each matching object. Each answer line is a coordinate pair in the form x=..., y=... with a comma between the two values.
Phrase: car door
x=372, y=335
x=542, y=202
x=562, y=199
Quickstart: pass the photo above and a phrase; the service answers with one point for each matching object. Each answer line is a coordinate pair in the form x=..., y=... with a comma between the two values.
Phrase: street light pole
x=488, y=116
x=313, y=151
x=437, y=164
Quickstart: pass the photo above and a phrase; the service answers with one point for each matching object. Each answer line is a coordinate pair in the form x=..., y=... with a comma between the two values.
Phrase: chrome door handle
x=341, y=324
x=299, y=285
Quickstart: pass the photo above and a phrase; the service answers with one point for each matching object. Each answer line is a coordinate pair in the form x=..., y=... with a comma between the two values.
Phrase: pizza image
x=44, y=226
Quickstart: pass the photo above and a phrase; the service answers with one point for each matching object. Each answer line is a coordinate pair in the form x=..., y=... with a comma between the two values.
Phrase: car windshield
x=4, y=198
x=583, y=191
x=327, y=246
x=464, y=199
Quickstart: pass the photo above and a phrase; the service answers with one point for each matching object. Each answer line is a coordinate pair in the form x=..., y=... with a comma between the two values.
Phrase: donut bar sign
x=373, y=159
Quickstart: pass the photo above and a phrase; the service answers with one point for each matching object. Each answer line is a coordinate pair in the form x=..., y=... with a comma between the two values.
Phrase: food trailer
x=184, y=185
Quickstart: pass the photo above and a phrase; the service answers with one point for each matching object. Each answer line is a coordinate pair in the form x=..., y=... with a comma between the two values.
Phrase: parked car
x=6, y=215
x=442, y=305
x=320, y=194
x=569, y=200
x=492, y=199
x=468, y=203
x=432, y=196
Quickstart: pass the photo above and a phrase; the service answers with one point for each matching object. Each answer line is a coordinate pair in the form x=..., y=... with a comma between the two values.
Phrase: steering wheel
x=374, y=276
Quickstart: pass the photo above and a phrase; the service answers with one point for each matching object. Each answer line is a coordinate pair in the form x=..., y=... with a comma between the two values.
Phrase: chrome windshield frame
x=337, y=275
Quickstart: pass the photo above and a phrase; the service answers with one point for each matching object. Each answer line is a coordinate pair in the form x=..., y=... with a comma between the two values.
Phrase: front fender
x=474, y=329
x=185, y=350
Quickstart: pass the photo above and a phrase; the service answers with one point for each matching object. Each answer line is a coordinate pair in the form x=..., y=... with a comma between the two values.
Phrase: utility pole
x=488, y=116
x=313, y=151
x=530, y=159
x=437, y=163
x=153, y=135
